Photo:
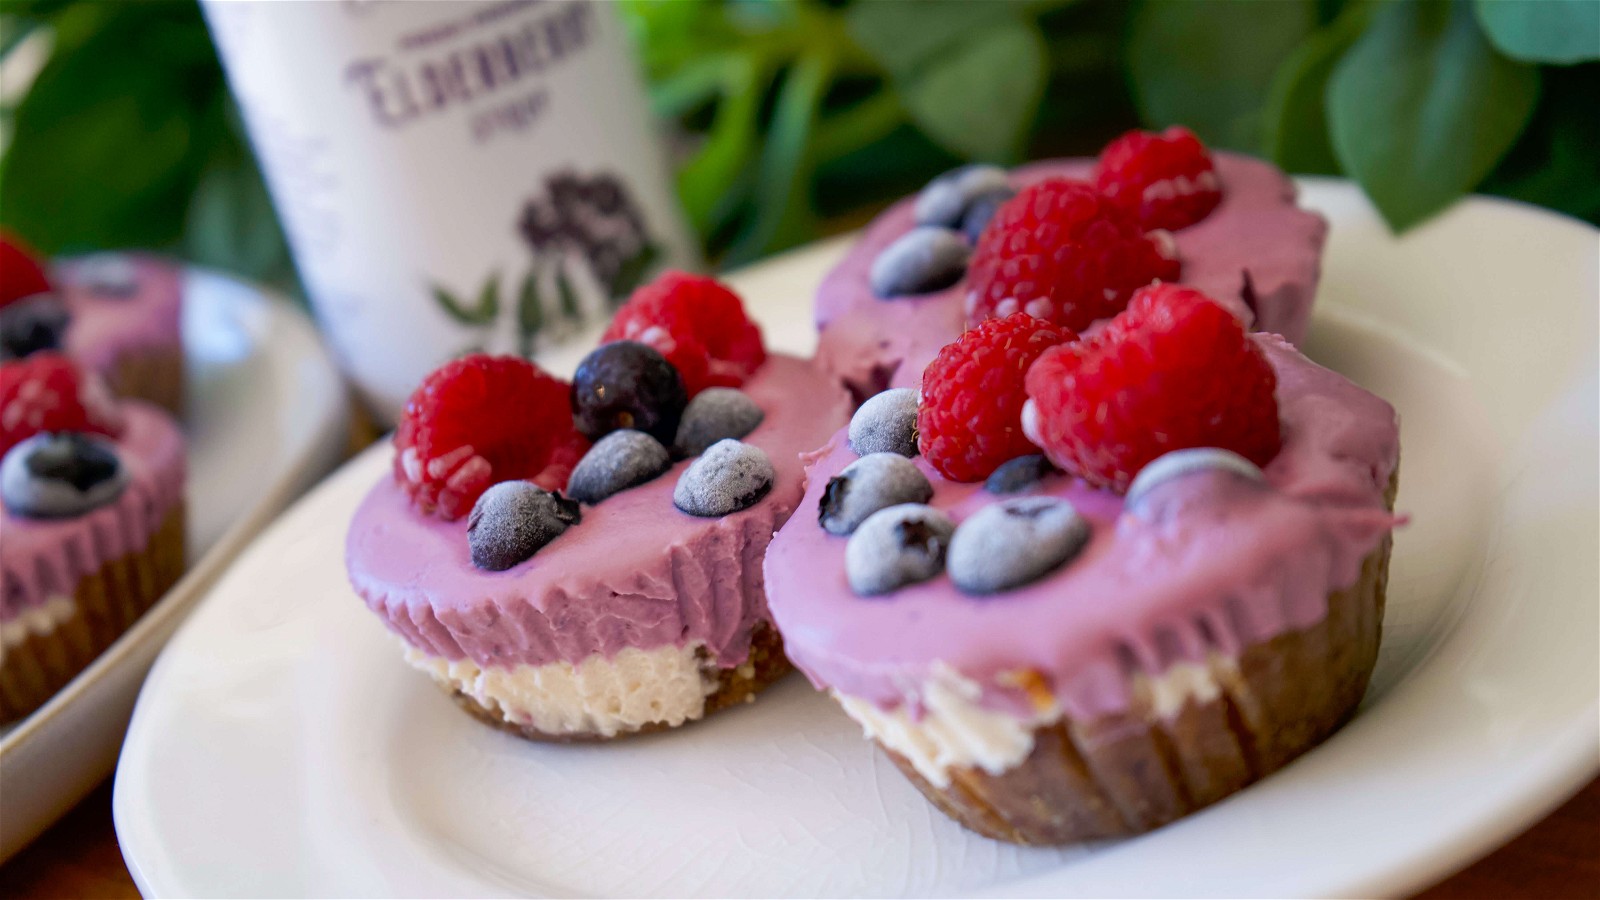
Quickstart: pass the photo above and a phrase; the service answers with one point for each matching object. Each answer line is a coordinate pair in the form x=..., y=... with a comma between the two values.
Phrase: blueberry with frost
x=873, y=482
x=895, y=547
x=714, y=414
x=1015, y=542
x=729, y=476
x=618, y=461
x=886, y=423
x=513, y=520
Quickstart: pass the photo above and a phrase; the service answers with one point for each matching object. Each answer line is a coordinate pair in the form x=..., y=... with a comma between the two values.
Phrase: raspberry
x=1174, y=371
x=21, y=275
x=970, y=417
x=481, y=420
x=1061, y=251
x=698, y=324
x=46, y=392
x=1162, y=180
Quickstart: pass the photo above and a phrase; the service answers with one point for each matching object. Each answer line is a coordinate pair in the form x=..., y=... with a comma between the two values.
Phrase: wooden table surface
x=1557, y=858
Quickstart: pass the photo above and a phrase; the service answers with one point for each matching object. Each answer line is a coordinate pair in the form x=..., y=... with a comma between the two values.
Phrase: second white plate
x=266, y=417
x=281, y=747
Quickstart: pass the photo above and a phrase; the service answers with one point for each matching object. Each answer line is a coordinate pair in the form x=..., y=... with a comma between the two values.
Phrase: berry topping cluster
x=1170, y=387
x=54, y=421
x=501, y=438
x=1065, y=250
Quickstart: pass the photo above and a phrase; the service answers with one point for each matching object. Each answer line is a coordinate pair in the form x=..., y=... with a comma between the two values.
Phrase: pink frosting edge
x=41, y=558
x=869, y=343
x=105, y=329
x=635, y=573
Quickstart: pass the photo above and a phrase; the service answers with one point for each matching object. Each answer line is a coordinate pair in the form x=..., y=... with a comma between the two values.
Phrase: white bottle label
x=453, y=176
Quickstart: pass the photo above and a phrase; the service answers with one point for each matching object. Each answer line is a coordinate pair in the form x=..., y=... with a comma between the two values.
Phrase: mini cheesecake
x=1080, y=581
x=1186, y=650
x=91, y=525
x=641, y=608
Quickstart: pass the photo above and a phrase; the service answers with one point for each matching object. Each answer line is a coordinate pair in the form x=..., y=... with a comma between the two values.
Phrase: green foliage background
x=793, y=113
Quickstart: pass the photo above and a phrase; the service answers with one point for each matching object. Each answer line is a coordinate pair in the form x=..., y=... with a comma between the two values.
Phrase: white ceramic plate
x=266, y=418
x=282, y=748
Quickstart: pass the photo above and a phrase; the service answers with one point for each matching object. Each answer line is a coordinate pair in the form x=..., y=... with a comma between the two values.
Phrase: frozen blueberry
x=1016, y=475
x=32, y=324
x=627, y=384
x=886, y=423
x=897, y=546
x=109, y=274
x=946, y=198
x=922, y=260
x=513, y=520
x=714, y=414
x=1172, y=466
x=618, y=461
x=728, y=477
x=873, y=482
x=1014, y=542
x=981, y=210
x=57, y=475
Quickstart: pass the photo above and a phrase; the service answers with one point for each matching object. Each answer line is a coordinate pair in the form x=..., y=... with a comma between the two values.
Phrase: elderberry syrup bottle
x=453, y=175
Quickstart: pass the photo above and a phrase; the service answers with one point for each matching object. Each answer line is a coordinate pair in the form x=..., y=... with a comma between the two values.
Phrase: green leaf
x=1296, y=114
x=105, y=150
x=633, y=272
x=733, y=141
x=481, y=313
x=530, y=312
x=230, y=223
x=567, y=297
x=783, y=192
x=904, y=35
x=980, y=98
x=1562, y=32
x=1210, y=66
x=1552, y=164
x=1422, y=107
